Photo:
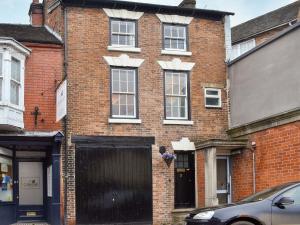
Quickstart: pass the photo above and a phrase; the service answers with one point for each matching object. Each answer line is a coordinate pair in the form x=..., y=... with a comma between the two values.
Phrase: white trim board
x=176, y=64
x=123, y=61
x=175, y=19
x=123, y=14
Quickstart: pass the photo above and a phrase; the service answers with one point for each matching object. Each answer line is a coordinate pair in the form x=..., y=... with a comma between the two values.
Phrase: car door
x=287, y=214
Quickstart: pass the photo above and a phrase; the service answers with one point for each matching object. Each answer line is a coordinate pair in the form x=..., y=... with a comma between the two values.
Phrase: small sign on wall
x=61, y=101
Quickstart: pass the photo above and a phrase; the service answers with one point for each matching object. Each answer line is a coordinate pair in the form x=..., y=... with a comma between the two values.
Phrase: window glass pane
x=181, y=44
x=176, y=80
x=211, y=92
x=115, y=104
x=167, y=31
x=181, y=33
x=212, y=101
x=123, y=26
x=115, y=39
x=174, y=43
x=1, y=58
x=174, y=31
x=168, y=83
x=15, y=69
x=130, y=110
x=131, y=40
x=294, y=194
x=122, y=40
x=123, y=81
x=167, y=43
x=183, y=83
x=1, y=88
x=115, y=26
x=14, y=93
x=131, y=27
x=6, y=179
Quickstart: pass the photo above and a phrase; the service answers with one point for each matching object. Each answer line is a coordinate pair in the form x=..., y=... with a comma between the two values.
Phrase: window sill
x=123, y=49
x=125, y=121
x=178, y=122
x=213, y=107
x=175, y=52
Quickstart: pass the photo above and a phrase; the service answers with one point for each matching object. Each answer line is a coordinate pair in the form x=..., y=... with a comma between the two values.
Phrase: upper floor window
x=213, y=98
x=176, y=95
x=123, y=33
x=15, y=82
x=123, y=93
x=175, y=37
x=1, y=76
x=241, y=48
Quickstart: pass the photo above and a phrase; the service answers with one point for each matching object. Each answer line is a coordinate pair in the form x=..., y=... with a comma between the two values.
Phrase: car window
x=266, y=193
x=294, y=194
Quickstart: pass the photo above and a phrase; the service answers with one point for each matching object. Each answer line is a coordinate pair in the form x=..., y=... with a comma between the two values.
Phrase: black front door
x=185, y=180
x=287, y=214
x=114, y=185
x=31, y=191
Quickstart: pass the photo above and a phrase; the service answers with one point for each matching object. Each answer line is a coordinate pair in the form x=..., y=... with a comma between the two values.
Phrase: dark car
x=276, y=206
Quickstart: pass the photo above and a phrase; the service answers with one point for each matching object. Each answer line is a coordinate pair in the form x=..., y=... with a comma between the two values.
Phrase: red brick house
x=30, y=71
x=144, y=81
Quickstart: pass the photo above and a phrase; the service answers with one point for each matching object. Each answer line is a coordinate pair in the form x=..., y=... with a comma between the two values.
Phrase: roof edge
x=154, y=7
x=19, y=46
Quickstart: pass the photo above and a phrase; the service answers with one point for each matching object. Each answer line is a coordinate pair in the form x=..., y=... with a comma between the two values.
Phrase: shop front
x=30, y=177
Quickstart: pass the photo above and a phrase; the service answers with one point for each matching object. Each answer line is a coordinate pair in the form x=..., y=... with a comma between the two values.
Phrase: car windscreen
x=266, y=193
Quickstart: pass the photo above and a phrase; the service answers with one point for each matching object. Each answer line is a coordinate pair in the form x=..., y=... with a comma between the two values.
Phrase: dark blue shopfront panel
x=7, y=214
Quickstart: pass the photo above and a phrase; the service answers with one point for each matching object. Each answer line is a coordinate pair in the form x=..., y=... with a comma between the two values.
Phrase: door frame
x=228, y=191
x=44, y=206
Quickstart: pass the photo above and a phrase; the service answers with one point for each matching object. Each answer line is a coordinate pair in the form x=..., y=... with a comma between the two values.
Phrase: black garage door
x=114, y=182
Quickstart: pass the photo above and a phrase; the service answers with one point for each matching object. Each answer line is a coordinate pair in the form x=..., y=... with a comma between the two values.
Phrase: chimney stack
x=36, y=13
x=188, y=4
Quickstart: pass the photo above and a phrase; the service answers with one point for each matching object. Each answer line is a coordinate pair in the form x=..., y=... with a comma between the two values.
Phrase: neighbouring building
x=144, y=80
x=30, y=70
x=247, y=35
x=265, y=109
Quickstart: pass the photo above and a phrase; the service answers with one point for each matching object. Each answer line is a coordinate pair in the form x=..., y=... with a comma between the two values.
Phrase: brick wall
x=89, y=88
x=200, y=170
x=267, y=35
x=43, y=72
x=54, y=18
x=277, y=160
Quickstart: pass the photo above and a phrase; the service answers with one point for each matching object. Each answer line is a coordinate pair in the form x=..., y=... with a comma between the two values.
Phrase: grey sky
x=15, y=11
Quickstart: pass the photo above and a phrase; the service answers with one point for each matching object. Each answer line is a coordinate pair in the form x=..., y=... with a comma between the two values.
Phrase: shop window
x=6, y=179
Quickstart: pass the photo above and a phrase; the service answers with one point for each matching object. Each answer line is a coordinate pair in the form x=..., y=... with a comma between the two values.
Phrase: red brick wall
x=200, y=171
x=43, y=72
x=267, y=35
x=54, y=18
x=89, y=88
x=277, y=160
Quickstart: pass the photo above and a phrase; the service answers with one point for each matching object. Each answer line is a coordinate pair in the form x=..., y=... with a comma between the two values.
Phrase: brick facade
x=277, y=159
x=43, y=72
x=89, y=98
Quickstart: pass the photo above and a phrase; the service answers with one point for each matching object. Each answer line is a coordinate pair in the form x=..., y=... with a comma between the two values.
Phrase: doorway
x=31, y=191
x=223, y=180
x=185, y=180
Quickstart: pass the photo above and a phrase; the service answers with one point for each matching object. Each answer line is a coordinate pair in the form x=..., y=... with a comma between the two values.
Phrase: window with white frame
x=15, y=82
x=175, y=37
x=123, y=33
x=123, y=93
x=241, y=48
x=1, y=75
x=213, y=98
x=176, y=95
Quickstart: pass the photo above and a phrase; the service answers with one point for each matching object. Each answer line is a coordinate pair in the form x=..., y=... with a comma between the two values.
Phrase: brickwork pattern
x=277, y=158
x=89, y=88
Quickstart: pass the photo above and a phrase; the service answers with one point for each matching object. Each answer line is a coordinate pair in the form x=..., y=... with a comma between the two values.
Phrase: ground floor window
x=6, y=179
x=185, y=180
x=223, y=180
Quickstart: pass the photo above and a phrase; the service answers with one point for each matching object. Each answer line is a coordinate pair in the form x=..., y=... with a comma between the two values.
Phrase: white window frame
x=125, y=93
x=219, y=97
x=175, y=38
x=134, y=34
x=16, y=82
x=236, y=49
x=1, y=76
x=176, y=95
